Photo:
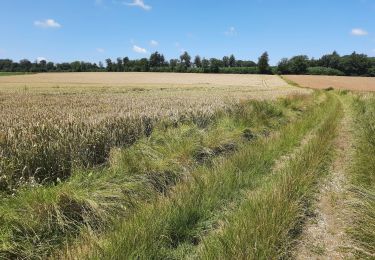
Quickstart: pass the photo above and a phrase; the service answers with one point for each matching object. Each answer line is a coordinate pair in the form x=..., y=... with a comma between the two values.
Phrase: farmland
x=336, y=82
x=180, y=166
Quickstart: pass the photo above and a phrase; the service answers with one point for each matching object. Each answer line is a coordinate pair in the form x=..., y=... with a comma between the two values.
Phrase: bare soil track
x=324, y=236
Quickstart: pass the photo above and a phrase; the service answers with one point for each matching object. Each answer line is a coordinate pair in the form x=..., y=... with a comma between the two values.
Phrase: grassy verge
x=173, y=226
x=266, y=224
x=39, y=219
x=363, y=180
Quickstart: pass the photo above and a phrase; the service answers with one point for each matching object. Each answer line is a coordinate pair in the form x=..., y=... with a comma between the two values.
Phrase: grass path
x=324, y=235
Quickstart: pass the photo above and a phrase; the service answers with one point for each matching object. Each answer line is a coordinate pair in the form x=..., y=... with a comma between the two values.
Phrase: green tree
x=226, y=61
x=109, y=64
x=185, y=59
x=283, y=66
x=355, y=64
x=263, y=66
x=198, y=61
x=299, y=64
x=232, y=61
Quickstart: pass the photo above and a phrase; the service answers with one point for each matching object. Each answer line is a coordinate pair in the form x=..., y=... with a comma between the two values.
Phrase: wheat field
x=49, y=123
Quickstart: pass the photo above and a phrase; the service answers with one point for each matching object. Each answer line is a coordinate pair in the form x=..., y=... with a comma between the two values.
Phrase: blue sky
x=92, y=30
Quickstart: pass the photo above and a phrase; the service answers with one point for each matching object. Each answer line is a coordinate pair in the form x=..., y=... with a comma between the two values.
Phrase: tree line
x=331, y=64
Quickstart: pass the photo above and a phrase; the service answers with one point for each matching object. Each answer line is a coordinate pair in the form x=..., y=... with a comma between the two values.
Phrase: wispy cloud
x=139, y=3
x=154, y=43
x=98, y=2
x=48, y=23
x=231, y=31
x=100, y=50
x=358, y=32
x=138, y=49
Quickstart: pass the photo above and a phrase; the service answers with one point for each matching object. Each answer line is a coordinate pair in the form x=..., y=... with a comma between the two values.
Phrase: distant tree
x=355, y=64
x=120, y=66
x=42, y=65
x=226, y=61
x=126, y=64
x=215, y=65
x=205, y=65
x=283, y=66
x=25, y=65
x=157, y=60
x=263, y=65
x=76, y=66
x=101, y=66
x=185, y=59
x=198, y=61
x=109, y=64
x=173, y=64
x=299, y=64
x=330, y=60
x=232, y=61
x=50, y=66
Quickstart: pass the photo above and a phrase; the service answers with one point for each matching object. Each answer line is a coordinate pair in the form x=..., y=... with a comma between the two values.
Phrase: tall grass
x=173, y=226
x=92, y=198
x=266, y=224
x=363, y=180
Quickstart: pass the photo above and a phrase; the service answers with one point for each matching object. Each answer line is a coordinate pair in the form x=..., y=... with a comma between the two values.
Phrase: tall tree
x=186, y=59
x=198, y=61
x=109, y=64
x=263, y=65
x=232, y=61
x=226, y=61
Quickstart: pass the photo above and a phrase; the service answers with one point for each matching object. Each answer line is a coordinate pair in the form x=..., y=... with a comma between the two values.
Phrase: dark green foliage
x=324, y=71
x=330, y=64
x=263, y=66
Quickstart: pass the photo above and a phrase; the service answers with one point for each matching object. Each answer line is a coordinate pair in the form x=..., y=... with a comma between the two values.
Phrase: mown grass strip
x=267, y=222
x=362, y=199
x=176, y=223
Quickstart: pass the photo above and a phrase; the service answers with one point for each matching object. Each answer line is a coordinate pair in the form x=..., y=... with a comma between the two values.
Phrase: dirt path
x=324, y=234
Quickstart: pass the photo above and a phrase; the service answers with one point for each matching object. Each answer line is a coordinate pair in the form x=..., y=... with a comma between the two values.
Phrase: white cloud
x=231, y=31
x=138, y=49
x=359, y=32
x=48, y=23
x=101, y=50
x=154, y=43
x=39, y=59
x=139, y=3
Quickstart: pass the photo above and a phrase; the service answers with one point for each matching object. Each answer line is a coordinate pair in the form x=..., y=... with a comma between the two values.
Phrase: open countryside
x=186, y=157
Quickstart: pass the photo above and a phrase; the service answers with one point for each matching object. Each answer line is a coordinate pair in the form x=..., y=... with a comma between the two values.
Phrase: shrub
x=324, y=71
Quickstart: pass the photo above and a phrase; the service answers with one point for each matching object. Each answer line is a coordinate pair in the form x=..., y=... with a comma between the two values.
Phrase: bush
x=239, y=70
x=371, y=72
x=324, y=71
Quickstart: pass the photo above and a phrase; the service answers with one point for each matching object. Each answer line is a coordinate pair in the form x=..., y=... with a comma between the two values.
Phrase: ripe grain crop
x=51, y=123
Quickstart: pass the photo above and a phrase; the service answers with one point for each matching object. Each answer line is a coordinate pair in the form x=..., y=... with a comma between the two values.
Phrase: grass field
x=177, y=166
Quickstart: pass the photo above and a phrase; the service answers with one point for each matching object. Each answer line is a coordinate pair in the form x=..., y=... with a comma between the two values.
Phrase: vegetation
x=174, y=227
x=331, y=64
x=136, y=175
x=175, y=171
x=363, y=180
x=46, y=133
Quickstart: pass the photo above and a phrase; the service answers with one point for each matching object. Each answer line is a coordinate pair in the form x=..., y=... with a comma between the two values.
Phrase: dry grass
x=50, y=123
x=336, y=82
